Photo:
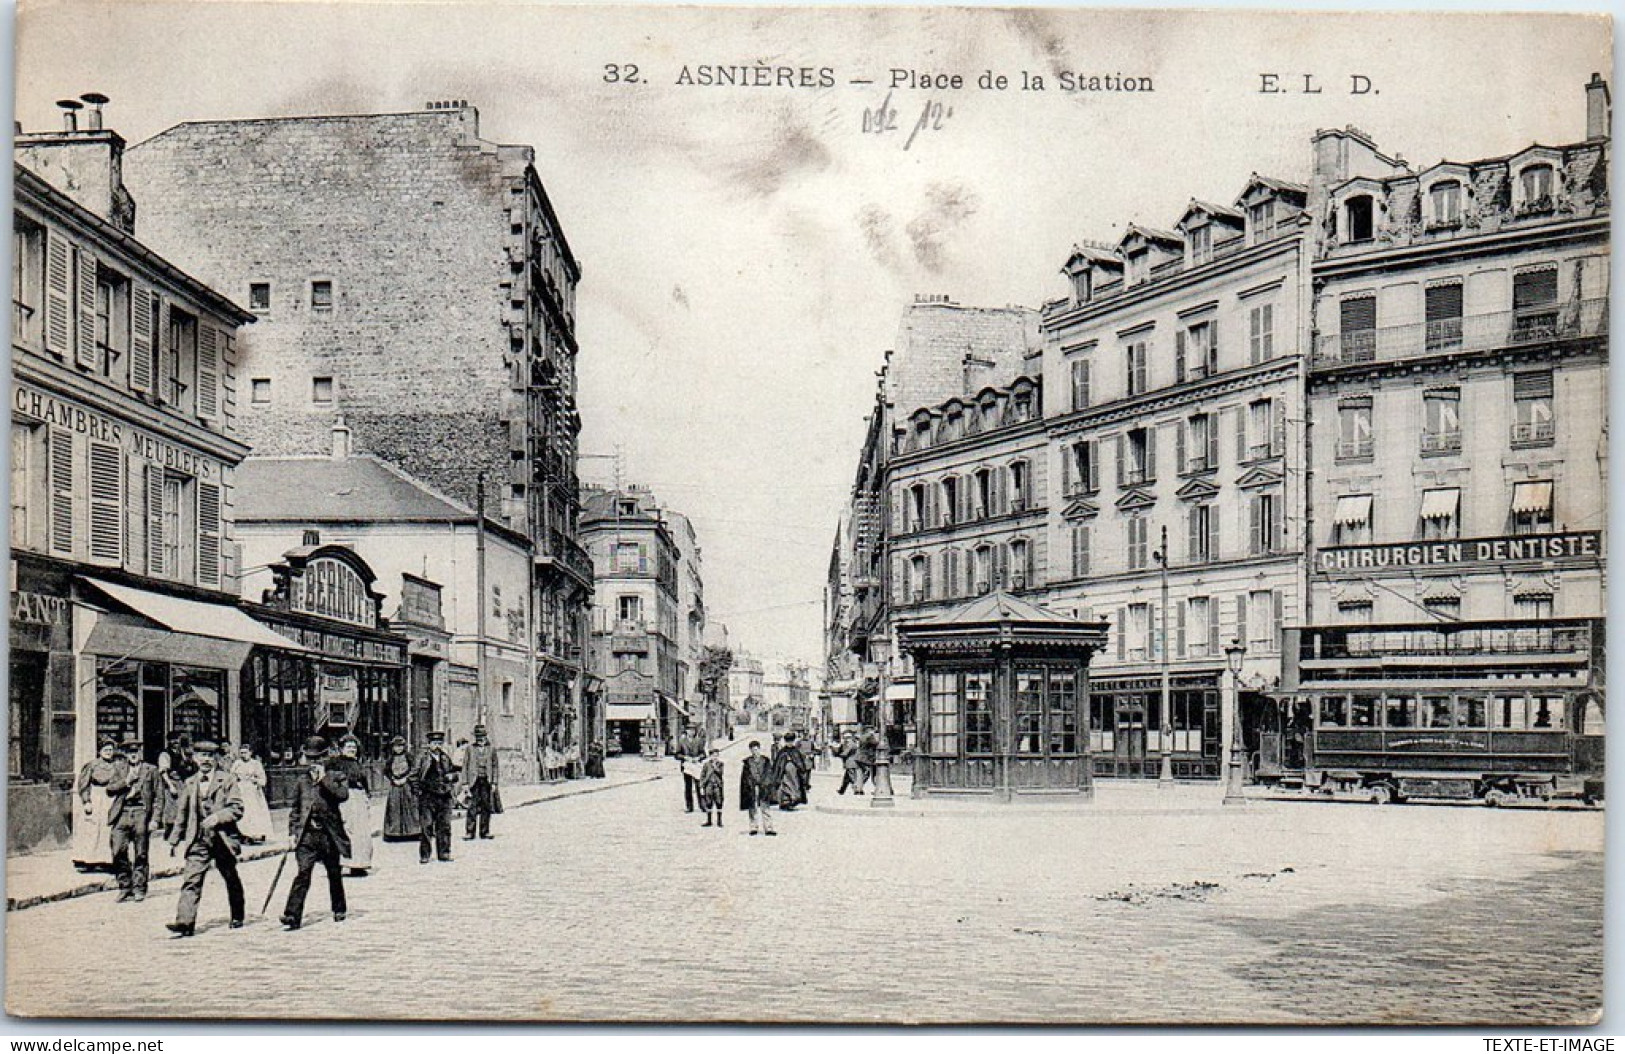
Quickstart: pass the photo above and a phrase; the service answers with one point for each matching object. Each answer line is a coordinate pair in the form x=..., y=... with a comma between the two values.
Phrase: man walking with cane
x=316, y=828
x=207, y=812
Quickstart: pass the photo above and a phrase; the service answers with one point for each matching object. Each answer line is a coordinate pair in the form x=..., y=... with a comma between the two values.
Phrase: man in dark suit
x=133, y=816
x=206, y=815
x=480, y=769
x=434, y=779
x=690, y=751
x=316, y=828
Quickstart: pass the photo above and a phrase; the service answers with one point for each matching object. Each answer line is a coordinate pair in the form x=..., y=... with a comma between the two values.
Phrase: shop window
x=1029, y=713
x=944, y=714
x=978, y=713
x=1063, y=713
x=196, y=697
x=1533, y=420
x=1359, y=213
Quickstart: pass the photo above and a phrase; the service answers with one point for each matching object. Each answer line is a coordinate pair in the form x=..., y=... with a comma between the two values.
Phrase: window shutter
x=1151, y=452
x=1181, y=464
x=1179, y=629
x=1212, y=441
x=1534, y=288
x=1179, y=355
x=1069, y=454
x=1213, y=536
x=1213, y=626
x=1360, y=314
x=1128, y=360
x=1094, y=466
x=643, y=558
x=208, y=371
x=1277, y=615
x=1277, y=538
x=1122, y=634
x=1241, y=434
x=155, y=520
x=1193, y=533
x=1537, y=385
x=1241, y=617
x=925, y=576
x=1277, y=427
x=897, y=511
x=1255, y=514
x=58, y=294
x=1001, y=490
x=1443, y=302
x=106, y=504
x=60, y=456
x=208, y=534
x=930, y=510
x=1122, y=475
x=142, y=338
x=84, y=345
x=1213, y=347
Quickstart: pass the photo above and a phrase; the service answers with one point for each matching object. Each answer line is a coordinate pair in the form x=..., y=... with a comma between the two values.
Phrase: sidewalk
x=1111, y=797
x=42, y=878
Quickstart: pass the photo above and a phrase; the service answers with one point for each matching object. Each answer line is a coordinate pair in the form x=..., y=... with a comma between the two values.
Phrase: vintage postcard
x=807, y=515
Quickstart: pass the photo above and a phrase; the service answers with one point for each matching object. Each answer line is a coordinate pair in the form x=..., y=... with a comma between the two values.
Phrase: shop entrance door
x=1129, y=743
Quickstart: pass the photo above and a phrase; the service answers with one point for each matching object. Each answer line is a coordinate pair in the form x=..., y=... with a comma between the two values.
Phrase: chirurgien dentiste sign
x=1566, y=546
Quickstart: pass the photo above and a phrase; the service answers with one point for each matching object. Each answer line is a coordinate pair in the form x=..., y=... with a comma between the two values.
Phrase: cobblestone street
x=618, y=905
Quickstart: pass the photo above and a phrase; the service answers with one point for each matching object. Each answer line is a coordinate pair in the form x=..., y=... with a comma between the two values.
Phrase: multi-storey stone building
x=635, y=650
x=414, y=278
x=124, y=445
x=1457, y=401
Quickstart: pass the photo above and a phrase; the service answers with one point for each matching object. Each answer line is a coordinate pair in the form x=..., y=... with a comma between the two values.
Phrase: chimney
x=70, y=113
x=1597, y=115
x=86, y=164
x=341, y=439
x=312, y=538
x=96, y=100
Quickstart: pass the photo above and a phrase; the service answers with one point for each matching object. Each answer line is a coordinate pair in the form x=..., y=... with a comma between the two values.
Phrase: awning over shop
x=1353, y=510
x=195, y=617
x=1529, y=498
x=629, y=712
x=900, y=692
x=1440, y=504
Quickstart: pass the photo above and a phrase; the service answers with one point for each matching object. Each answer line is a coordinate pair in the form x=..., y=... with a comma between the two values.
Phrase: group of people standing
x=778, y=780
x=857, y=754
x=206, y=800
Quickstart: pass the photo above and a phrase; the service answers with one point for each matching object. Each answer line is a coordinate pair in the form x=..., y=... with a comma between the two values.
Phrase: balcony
x=1534, y=433
x=565, y=557
x=1355, y=449
x=1441, y=442
x=1570, y=320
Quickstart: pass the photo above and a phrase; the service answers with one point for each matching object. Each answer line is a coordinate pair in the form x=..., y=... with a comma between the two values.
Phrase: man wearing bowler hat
x=434, y=778
x=480, y=777
x=133, y=816
x=205, y=828
x=316, y=828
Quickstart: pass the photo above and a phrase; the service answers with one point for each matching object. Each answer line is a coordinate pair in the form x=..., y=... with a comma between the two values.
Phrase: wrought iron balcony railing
x=1562, y=320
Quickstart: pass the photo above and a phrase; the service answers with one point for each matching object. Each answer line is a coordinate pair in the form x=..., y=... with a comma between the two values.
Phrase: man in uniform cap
x=134, y=816
x=480, y=776
x=434, y=779
x=316, y=828
x=205, y=827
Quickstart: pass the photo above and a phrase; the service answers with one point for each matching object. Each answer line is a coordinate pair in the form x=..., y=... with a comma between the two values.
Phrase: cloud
x=946, y=210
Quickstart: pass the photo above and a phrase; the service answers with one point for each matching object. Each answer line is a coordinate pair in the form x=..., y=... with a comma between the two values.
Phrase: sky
x=748, y=252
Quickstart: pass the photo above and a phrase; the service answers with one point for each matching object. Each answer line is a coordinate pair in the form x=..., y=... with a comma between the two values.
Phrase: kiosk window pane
x=945, y=713
x=1030, y=712
x=1063, y=712
x=978, y=713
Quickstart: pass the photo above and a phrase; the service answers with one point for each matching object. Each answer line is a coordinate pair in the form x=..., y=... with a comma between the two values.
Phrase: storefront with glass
x=1127, y=733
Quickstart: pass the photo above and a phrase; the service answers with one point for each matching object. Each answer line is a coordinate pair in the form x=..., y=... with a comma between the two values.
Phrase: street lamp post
x=1234, y=794
x=1165, y=770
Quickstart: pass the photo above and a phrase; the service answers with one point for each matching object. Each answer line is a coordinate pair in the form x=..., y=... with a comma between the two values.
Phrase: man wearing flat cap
x=134, y=816
x=434, y=779
x=480, y=777
x=316, y=829
x=205, y=830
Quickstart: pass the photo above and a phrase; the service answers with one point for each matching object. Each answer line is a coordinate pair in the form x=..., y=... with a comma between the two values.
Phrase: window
x=916, y=507
x=919, y=579
x=1358, y=325
x=1021, y=565
x=944, y=714
x=1358, y=217
x=27, y=280
x=259, y=296
x=1063, y=712
x=1444, y=205
x=1534, y=304
x=1261, y=219
x=1201, y=241
x=984, y=569
x=1082, y=467
x=112, y=324
x=950, y=574
x=1081, y=392
x=178, y=360
x=1029, y=712
x=1532, y=606
x=1263, y=620
x=1196, y=352
x=1137, y=267
x=1203, y=534
x=629, y=609
x=1351, y=522
x=1136, y=359
x=1443, y=306
x=1441, y=421
x=26, y=460
x=1359, y=612
x=1261, y=333
x=1532, y=507
x=1334, y=712
x=1354, y=438
x=321, y=294
x=507, y=698
x=1533, y=421
x=1021, y=489
x=1264, y=437
x=1363, y=711
x=321, y=390
x=1535, y=190
x=1141, y=466
x=1199, y=628
x=1201, y=440
x=1139, y=530
x=1443, y=608
x=1138, y=632
x=628, y=557
x=260, y=390
x=626, y=508
x=978, y=713
x=1441, y=509
x=1265, y=511
x=174, y=533
x=1080, y=550
x=1399, y=711
x=950, y=500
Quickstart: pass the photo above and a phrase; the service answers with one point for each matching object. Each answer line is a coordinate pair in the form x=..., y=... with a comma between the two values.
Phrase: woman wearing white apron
x=255, y=825
x=92, y=833
x=356, y=810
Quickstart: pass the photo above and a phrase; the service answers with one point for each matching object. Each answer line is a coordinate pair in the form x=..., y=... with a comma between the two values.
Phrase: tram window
x=1436, y=711
x=1470, y=711
x=1363, y=712
x=1508, y=712
x=1401, y=712
x=1334, y=712
x=1546, y=711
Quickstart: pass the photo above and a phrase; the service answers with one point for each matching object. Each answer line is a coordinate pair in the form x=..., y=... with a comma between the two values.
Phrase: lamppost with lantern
x=1234, y=652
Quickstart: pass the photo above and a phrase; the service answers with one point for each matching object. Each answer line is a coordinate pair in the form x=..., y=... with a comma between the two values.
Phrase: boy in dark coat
x=711, y=788
x=757, y=787
x=316, y=827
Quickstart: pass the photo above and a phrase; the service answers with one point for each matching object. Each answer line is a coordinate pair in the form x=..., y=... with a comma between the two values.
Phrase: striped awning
x=1441, y=504
x=1529, y=498
x=1353, y=510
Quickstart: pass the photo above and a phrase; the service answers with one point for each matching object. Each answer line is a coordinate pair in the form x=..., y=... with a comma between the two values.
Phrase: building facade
x=124, y=447
x=413, y=278
x=635, y=648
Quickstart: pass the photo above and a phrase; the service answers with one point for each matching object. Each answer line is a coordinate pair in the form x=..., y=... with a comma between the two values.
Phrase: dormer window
x=1359, y=215
x=1535, y=189
x=1200, y=240
x=1444, y=204
x=1261, y=219
x=1139, y=267
x=1080, y=286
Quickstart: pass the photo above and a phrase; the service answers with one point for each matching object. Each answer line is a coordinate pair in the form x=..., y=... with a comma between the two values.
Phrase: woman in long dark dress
x=792, y=778
x=402, y=822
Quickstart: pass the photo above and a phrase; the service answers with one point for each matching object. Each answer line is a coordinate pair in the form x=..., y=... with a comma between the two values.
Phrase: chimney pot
x=96, y=100
x=1597, y=104
x=70, y=113
x=341, y=439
